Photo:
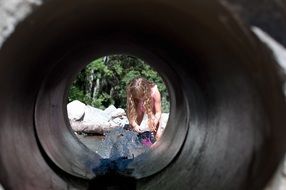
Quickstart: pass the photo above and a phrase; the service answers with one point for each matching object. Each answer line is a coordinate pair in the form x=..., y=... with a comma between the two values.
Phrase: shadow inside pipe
x=112, y=181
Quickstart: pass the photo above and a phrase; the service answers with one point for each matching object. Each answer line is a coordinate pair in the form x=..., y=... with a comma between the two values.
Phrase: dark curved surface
x=227, y=116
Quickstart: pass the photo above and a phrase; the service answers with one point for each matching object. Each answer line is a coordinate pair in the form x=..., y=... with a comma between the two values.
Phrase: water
x=118, y=143
x=117, y=148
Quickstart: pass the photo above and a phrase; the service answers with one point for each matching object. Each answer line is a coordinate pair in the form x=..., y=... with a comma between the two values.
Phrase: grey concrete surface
x=11, y=13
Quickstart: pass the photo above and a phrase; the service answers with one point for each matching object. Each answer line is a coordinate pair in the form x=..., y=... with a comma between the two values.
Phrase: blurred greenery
x=103, y=82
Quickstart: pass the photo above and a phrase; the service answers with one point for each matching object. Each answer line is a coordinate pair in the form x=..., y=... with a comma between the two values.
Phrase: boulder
x=94, y=120
x=88, y=119
x=120, y=121
x=114, y=112
x=119, y=112
x=95, y=116
x=91, y=128
x=110, y=109
x=76, y=110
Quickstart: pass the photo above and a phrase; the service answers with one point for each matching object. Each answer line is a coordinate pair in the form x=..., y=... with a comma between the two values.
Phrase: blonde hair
x=139, y=89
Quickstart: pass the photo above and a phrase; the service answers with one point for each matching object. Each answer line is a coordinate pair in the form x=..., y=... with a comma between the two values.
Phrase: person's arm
x=135, y=126
x=157, y=102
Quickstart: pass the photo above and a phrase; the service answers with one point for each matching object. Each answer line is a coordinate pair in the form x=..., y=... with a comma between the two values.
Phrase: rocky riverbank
x=87, y=119
x=103, y=131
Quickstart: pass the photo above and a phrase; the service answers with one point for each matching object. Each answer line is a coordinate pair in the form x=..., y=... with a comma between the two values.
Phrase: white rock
x=118, y=113
x=112, y=112
x=110, y=109
x=90, y=127
x=95, y=116
x=76, y=110
x=113, y=124
x=121, y=121
x=98, y=121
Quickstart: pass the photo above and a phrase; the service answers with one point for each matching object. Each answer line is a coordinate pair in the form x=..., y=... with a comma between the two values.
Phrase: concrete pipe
x=227, y=122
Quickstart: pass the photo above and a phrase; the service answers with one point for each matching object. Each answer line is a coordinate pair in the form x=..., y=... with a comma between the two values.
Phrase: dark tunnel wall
x=226, y=128
x=268, y=15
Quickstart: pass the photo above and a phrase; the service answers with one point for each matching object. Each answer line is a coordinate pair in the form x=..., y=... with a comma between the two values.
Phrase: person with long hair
x=144, y=98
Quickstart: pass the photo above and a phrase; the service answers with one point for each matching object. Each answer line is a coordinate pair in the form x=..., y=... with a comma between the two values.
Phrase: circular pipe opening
x=55, y=136
x=97, y=108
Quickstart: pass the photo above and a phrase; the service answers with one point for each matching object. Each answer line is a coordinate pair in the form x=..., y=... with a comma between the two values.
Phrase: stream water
x=117, y=143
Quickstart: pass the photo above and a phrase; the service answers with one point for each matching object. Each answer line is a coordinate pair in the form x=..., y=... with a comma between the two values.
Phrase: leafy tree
x=103, y=82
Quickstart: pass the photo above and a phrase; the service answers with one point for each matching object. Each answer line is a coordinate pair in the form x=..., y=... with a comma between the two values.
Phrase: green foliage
x=103, y=82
